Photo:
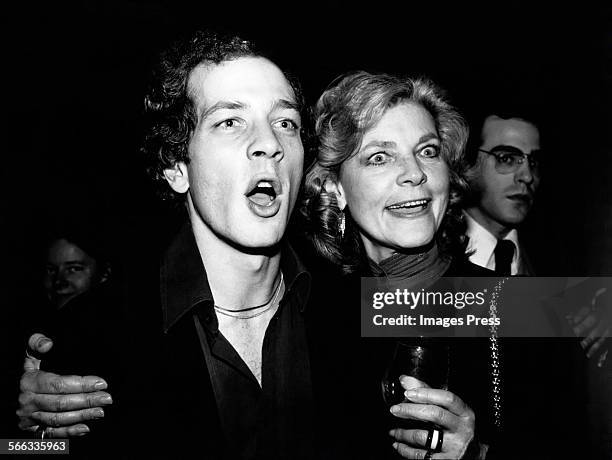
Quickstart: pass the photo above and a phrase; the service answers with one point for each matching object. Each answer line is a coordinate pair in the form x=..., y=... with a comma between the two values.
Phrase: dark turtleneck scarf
x=421, y=268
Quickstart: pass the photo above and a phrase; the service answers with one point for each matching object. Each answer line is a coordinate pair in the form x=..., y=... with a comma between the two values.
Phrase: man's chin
x=514, y=219
x=260, y=240
x=263, y=248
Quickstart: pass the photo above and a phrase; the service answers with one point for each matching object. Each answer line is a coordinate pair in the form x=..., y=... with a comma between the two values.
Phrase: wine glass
x=423, y=358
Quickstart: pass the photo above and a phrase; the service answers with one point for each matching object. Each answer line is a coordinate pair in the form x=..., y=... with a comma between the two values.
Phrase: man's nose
x=411, y=172
x=525, y=173
x=265, y=143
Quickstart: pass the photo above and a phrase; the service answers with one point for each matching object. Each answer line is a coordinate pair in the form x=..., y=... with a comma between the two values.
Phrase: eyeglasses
x=509, y=159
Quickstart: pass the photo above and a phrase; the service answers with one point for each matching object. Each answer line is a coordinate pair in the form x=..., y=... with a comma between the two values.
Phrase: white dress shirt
x=482, y=243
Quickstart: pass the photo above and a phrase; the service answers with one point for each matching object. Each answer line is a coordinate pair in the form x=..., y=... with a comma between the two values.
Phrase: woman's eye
x=377, y=159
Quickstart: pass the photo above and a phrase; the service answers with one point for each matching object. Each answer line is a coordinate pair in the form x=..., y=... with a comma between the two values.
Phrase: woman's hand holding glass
x=441, y=407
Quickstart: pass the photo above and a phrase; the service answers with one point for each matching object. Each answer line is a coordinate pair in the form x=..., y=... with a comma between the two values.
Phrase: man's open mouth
x=263, y=194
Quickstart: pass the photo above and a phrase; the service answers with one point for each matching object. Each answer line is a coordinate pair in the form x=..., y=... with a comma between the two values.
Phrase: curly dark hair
x=349, y=107
x=170, y=116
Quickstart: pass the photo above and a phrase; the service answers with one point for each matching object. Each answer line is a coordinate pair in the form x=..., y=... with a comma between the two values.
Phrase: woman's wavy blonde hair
x=349, y=107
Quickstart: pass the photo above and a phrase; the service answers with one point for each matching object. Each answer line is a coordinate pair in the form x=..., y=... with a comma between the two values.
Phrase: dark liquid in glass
x=424, y=359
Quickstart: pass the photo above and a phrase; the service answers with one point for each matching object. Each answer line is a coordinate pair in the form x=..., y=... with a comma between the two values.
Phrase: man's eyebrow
x=380, y=145
x=504, y=146
x=512, y=147
x=221, y=105
x=286, y=104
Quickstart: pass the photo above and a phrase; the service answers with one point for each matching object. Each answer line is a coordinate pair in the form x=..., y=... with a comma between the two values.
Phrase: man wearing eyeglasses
x=504, y=175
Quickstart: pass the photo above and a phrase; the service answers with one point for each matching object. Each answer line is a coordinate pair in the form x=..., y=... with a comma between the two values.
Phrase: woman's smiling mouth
x=409, y=208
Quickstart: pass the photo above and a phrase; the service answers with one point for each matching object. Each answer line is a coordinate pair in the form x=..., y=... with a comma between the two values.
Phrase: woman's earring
x=342, y=225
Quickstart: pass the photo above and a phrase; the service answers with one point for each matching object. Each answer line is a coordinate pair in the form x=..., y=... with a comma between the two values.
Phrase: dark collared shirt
x=271, y=421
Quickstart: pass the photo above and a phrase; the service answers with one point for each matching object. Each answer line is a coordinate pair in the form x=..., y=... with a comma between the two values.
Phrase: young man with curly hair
x=229, y=369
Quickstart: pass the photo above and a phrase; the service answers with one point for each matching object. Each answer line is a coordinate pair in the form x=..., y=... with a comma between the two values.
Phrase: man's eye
x=230, y=123
x=431, y=151
x=506, y=158
x=534, y=162
x=288, y=125
x=74, y=269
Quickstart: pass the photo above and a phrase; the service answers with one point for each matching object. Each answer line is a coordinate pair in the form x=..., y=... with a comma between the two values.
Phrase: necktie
x=503, y=257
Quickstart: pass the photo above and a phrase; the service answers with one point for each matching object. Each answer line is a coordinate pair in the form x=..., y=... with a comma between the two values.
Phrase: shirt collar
x=183, y=280
x=297, y=278
x=184, y=284
x=482, y=243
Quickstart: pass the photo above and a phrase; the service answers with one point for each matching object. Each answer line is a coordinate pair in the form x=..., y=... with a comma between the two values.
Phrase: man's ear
x=471, y=173
x=178, y=177
x=334, y=187
x=473, y=177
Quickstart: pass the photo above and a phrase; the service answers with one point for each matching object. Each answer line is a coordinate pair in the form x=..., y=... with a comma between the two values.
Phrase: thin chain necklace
x=239, y=314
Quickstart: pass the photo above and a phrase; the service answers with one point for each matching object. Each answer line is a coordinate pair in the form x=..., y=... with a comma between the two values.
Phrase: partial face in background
x=397, y=185
x=505, y=199
x=70, y=272
x=246, y=154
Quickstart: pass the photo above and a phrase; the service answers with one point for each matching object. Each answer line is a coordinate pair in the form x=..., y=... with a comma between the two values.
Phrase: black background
x=75, y=74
